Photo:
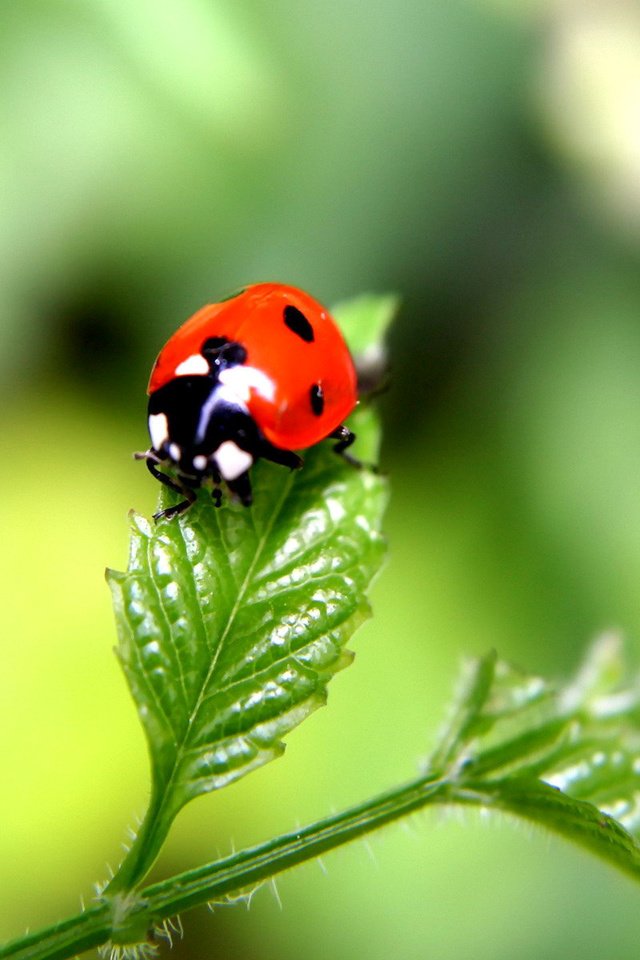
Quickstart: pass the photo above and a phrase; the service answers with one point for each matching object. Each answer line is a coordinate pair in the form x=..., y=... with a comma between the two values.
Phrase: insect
x=263, y=373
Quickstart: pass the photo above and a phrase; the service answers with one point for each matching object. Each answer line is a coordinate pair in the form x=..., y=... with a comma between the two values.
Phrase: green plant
x=231, y=623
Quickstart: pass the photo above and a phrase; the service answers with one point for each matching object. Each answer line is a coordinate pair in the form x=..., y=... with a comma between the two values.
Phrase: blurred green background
x=482, y=159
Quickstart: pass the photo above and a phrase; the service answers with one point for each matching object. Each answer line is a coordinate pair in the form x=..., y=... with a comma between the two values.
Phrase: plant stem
x=98, y=924
x=255, y=864
x=123, y=917
x=143, y=851
x=65, y=939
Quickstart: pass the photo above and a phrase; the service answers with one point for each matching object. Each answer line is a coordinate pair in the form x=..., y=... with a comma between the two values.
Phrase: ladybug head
x=198, y=424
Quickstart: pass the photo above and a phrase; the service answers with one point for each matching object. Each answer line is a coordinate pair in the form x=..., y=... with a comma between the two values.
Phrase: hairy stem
x=143, y=851
x=259, y=863
x=123, y=919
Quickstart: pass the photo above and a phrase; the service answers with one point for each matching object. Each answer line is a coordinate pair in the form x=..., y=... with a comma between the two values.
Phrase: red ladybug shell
x=294, y=350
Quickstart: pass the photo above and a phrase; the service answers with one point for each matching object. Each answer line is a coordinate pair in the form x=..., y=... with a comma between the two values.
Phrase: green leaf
x=365, y=320
x=231, y=621
x=574, y=819
x=467, y=714
x=567, y=757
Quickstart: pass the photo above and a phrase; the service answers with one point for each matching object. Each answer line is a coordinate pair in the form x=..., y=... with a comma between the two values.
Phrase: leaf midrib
x=208, y=678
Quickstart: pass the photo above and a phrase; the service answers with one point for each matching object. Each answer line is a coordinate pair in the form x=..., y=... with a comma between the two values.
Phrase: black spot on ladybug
x=223, y=352
x=317, y=399
x=212, y=346
x=298, y=324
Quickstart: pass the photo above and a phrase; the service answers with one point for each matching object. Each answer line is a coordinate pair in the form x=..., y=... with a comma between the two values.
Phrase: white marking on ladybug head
x=175, y=451
x=158, y=430
x=241, y=380
x=219, y=395
x=195, y=364
x=200, y=461
x=231, y=460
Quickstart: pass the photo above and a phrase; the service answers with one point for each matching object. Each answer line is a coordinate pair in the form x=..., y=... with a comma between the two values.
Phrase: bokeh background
x=482, y=159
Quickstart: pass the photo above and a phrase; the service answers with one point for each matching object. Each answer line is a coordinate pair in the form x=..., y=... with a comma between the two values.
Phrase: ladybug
x=263, y=373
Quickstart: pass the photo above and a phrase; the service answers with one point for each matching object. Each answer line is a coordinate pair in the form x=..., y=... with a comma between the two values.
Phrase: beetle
x=261, y=374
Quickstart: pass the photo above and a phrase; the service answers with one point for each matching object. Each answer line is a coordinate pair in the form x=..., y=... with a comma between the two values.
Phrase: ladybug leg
x=216, y=479
x=170, y=512
x=189, y=495
x=286, y=458
x=345, y=438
